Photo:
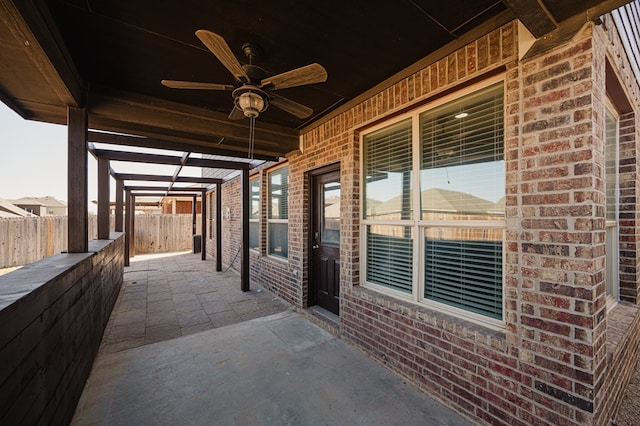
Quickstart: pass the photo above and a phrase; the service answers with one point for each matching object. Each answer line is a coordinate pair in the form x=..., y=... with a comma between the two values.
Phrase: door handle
x=315, y=246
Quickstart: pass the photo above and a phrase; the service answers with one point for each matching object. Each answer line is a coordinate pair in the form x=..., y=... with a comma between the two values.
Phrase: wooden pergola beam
x=166, y=194
x=172, y=145
x=170, y=160
x=183, y=160
x=161, y=178
x=160, y=188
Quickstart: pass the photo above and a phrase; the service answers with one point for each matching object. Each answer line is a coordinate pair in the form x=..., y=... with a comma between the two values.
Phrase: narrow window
x=254, y=215
x=611, y=193
x=278, y=213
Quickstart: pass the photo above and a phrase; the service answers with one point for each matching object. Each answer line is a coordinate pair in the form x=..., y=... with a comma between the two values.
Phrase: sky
x=33, y=161
x=33, y=158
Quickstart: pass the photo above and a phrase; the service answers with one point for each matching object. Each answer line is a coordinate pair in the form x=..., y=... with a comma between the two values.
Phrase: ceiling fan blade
x=310, y=74
x=177, y=84
x=219, y=47
x=299, y=110
x=236, y=114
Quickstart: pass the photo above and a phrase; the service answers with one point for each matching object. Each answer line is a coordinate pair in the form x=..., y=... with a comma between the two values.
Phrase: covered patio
x=98, y=67
x=183, y=345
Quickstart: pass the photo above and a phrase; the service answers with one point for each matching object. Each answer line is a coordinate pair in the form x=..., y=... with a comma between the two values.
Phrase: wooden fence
x=29, y=239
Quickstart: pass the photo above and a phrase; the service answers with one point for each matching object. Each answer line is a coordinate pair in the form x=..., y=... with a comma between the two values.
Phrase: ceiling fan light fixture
x=251, y=104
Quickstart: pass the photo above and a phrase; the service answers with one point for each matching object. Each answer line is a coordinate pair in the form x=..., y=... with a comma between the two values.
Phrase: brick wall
x=53, y=313
x=558, y=323
x=622, y=330
x=553, y=363
x=181, y=206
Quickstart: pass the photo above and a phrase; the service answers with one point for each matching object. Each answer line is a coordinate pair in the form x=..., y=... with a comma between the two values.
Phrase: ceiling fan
x=253, y=91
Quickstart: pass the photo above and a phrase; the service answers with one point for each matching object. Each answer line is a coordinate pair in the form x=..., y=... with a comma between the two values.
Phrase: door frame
x=312, y=298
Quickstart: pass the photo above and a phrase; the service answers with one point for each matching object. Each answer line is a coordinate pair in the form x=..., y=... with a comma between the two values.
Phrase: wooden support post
x=219, y=227
x=103, y=199
x=246, y=207
x=119, y=193
x=194, y=213
x=203, y=209
x=132, y=240
x=77, y=195
x=127, y=228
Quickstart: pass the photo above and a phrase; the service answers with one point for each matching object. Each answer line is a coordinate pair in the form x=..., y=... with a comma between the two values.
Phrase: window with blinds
x=254, y=214
x=387, y=198
x=278, y=212
x=455, y=233
x=462, y=178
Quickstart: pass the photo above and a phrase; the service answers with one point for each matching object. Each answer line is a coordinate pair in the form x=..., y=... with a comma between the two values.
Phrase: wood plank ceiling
x=110, y=55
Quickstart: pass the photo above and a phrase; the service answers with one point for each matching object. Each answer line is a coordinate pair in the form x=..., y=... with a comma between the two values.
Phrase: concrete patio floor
x=185, y=346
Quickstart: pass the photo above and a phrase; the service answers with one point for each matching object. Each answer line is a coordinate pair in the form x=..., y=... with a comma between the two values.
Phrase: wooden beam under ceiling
x=113, y=110
x=533, y=15
x=568, y=28
x=36, y=33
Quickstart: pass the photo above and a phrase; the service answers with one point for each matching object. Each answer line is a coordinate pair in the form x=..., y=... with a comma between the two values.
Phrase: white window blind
x=390, y=256
x=388, y=174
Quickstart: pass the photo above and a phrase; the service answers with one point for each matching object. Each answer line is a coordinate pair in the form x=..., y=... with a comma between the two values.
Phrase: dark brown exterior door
x=325, y=240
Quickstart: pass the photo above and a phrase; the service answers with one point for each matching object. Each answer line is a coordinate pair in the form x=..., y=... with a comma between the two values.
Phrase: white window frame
x=418, y=225
x=612, y=227
x=273, y=220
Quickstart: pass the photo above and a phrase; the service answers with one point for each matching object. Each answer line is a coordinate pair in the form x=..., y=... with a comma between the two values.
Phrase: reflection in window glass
x=278, y=212
x=462, y=173
x=279, y=193
x=278, y=236
x=330, y=229
x=387, y=162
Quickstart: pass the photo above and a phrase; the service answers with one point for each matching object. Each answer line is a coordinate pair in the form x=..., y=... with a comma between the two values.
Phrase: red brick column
x=560, y=305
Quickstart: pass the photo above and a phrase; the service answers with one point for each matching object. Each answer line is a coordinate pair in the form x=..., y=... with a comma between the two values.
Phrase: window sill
x=432, y=305
x=460, y=327
x=623, y=320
